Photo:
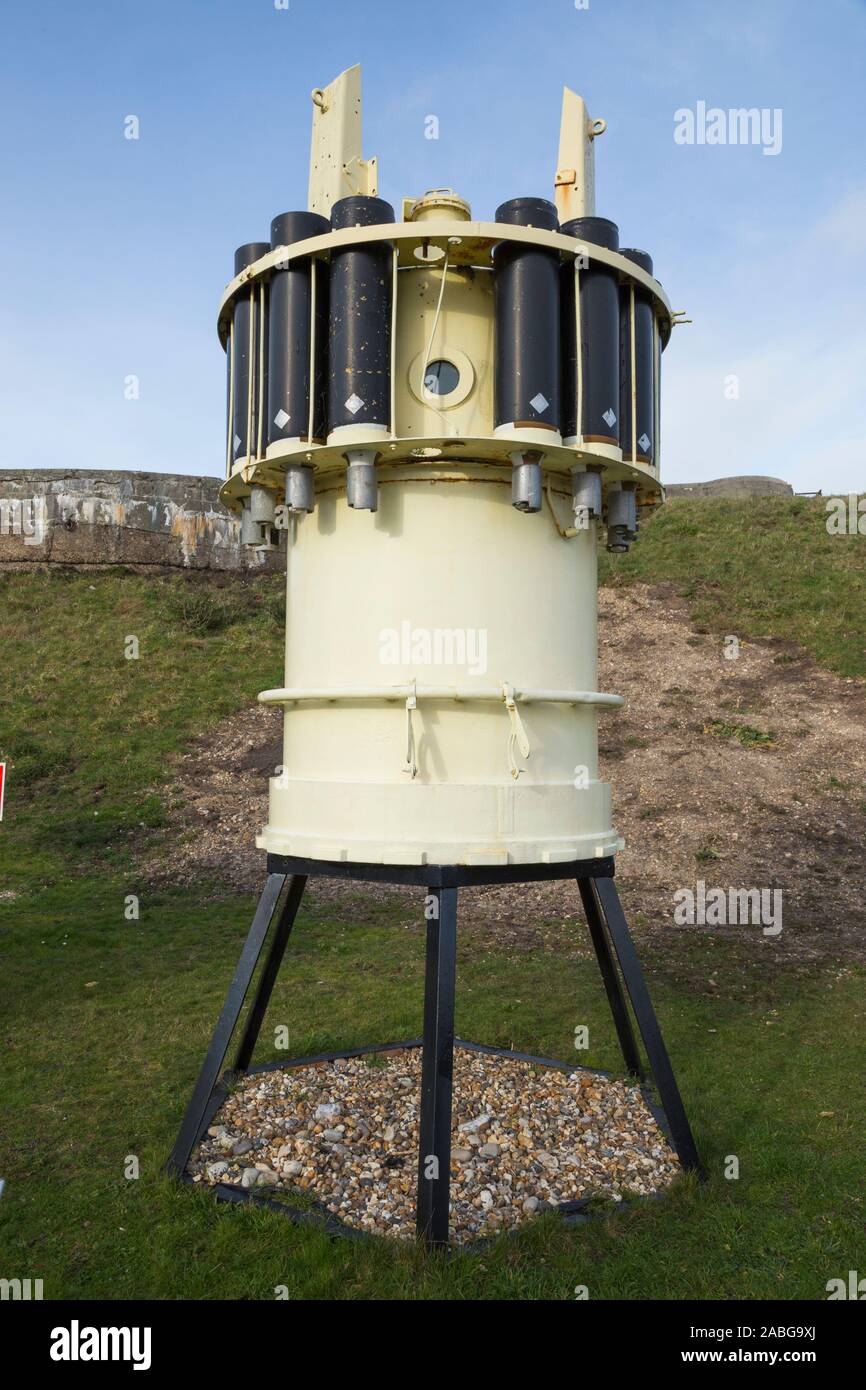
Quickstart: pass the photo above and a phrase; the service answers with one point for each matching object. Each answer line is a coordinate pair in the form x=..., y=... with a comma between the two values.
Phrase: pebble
x=473, y=1126
x=348, y=1136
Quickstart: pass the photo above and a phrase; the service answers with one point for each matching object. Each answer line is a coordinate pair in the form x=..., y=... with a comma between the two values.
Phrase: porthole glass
x=441, y=378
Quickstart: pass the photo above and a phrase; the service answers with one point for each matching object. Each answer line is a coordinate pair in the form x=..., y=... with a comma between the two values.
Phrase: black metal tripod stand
x=617, y=960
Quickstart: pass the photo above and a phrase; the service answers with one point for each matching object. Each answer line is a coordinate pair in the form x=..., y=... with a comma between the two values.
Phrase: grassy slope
x=89, y=732
x=106, y=1020
x=765, y=567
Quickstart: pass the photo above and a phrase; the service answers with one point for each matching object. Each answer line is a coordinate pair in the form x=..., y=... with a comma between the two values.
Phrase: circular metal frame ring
x=464, y=388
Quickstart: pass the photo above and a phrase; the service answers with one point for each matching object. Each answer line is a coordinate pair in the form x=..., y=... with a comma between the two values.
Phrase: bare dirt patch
x=746, y=773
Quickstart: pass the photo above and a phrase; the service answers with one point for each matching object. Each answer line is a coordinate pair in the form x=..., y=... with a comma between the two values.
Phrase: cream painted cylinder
x=447, y=586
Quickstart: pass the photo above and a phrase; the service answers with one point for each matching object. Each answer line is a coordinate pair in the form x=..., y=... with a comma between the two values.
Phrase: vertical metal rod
x=251, y=362
x=311, y=411
x=660, y=1064
x=230, y=354
x=657, y=370
x=261, y=438
x=212, y=1065
x=612, y=983
x=578, y=346
x=633, y=360
x=437, y=1072
x=395, y=262
x=279, y=941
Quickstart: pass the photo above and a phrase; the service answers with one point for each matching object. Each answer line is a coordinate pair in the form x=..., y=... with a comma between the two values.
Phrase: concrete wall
x=731, y=487
x=84, y=518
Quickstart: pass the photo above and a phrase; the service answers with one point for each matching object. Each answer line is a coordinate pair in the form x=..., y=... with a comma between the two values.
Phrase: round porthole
x=443, y=382
x=441, y=377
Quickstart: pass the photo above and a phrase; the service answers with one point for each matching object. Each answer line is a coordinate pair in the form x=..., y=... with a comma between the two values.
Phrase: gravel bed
x=524, y=1138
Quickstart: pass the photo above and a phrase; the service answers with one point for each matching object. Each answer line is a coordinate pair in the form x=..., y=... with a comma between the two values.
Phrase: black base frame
x=620, y=971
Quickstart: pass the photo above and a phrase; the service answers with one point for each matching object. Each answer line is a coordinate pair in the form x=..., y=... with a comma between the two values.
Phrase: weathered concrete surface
x=731, y=487
x=108, y=518
x=116, y=518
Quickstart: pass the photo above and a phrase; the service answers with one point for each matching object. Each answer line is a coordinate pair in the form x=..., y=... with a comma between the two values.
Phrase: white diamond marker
x=281, y=419
x=609, y=416
x=237, y=442
x=354, y=403
x=644, y=442
x=539, y=403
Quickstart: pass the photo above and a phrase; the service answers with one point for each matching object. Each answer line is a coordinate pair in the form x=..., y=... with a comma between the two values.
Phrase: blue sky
x=114, y=251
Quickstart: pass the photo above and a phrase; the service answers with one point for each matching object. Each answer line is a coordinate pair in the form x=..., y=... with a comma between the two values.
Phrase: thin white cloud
x=785, y=324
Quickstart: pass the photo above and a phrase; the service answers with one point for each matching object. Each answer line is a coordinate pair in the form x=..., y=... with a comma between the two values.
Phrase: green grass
x=106, y=1019
x=745, y=734
x=765, y=567
x=106, y=1022
x=89, y=733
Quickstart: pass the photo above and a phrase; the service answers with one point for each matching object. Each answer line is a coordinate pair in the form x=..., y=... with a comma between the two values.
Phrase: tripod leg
x=612, y=984
x=209, y=1075
x=276, y=951
x=660, y=1064
x=437, y=1071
